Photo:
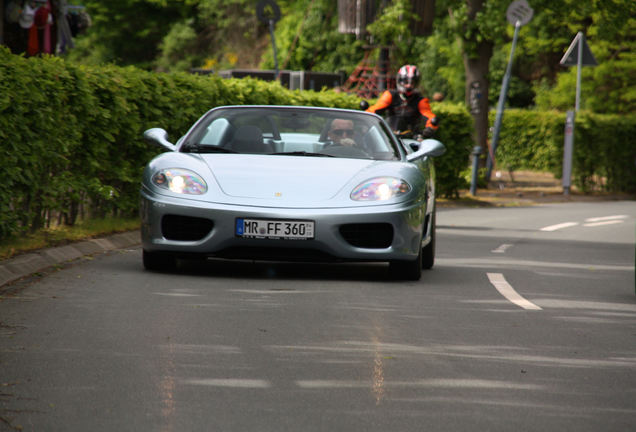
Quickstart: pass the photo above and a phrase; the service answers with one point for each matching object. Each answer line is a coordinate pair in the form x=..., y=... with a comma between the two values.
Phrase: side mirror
x=428, y=147
x=159, y=137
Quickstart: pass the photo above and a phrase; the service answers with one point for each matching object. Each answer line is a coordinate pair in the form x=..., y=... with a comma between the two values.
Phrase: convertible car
x=290, y=183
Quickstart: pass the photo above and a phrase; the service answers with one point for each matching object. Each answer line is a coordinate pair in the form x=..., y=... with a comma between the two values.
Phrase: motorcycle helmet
x=408, y=77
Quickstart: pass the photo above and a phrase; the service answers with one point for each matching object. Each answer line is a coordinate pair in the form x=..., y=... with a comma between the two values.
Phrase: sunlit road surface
x=517, y=328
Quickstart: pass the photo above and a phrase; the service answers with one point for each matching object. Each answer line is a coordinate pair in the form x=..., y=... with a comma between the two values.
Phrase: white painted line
x=502, y=248
x=499, y=262
x=605, y=218
x=230, y=382
x=609, y=222
x=559, y=226
x=504, y=288
x=430, y=383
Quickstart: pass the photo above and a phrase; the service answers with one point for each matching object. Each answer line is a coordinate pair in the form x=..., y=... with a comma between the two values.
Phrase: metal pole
x=501, y=103
x=568, y=145
x=579, y=66
x=271, y=32
x=473, y=182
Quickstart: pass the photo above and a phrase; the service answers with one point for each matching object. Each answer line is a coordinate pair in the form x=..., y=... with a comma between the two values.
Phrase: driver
x=341, y=132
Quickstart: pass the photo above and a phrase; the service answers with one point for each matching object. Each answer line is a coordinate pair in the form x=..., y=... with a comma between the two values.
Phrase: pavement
x=21, y=266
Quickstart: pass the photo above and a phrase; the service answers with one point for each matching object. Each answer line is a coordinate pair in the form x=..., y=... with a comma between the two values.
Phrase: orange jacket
x=409, y=110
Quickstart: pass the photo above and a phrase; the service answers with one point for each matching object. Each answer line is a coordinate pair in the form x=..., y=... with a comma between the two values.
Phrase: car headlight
x=380, y=189
x=180, y=181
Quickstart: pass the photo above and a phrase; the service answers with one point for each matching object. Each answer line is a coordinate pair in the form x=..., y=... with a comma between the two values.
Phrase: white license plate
x=275, y=229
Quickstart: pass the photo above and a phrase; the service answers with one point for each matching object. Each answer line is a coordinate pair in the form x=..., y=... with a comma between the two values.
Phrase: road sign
x=267, y=10
x=519, y=10
x=571, y=55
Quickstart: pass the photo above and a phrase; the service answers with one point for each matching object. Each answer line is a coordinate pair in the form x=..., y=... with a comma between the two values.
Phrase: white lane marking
x=589, y=305
x=502, y=248
x=230, y=382
x=606, y=218
x=559, y=226
x=609, y=222
x=439, y=383
x=507, y=263
x=506, y=290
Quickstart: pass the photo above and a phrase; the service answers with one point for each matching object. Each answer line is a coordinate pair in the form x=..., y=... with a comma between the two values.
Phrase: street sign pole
x=268, y=13
x=271, y=33
x=501, y=104
x=579, y=67
x=584, y=57
x=519, y=13
x=568, y=148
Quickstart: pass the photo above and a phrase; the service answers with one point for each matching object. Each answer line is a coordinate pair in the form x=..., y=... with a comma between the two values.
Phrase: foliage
x=72, y=149
x=604, y=148
x=126, y=32
x=177, y=35
x=307, y=39
x=455, y=133
x=392, y=26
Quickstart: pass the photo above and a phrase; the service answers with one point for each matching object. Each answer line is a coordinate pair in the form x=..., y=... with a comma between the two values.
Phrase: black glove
x=428, y=132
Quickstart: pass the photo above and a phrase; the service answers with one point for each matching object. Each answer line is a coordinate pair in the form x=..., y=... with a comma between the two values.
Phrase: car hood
x=285, y=180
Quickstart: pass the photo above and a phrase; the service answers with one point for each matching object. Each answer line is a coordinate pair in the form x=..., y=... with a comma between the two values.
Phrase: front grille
x=185, y=228
x=368, y=235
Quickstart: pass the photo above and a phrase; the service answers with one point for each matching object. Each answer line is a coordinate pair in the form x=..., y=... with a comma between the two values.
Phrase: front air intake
x=185, y=228
x=368, y=235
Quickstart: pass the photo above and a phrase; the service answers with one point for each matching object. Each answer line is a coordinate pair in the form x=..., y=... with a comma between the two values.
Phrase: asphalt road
x=526, y=323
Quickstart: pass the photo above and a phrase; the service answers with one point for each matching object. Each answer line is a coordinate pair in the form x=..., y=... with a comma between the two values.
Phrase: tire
x=159, y=261
x=428, y=251
x=406, y=270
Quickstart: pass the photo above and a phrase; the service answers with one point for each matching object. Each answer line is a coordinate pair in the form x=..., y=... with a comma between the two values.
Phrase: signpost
x=519, y=13
x=578, y=54
x=268, y=13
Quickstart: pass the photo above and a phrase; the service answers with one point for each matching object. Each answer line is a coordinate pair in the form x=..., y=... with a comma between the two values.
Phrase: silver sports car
x=290, y=183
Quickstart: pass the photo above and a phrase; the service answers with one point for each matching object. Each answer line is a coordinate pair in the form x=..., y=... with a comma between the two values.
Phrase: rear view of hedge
x=70, y=135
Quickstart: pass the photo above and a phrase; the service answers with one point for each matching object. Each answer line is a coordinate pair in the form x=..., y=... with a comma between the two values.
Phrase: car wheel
x=159, y=261
x=428, y=251
x=406, y=270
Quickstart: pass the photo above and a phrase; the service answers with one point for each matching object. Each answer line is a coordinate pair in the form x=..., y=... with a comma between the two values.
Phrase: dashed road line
x=506, y=290
x=609, y=222
x=606, y=218
x=559, y=226
x=589, y=222
x=502, y=249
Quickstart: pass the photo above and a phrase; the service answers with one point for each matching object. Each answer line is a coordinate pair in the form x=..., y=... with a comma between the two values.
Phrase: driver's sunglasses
x=342, y=132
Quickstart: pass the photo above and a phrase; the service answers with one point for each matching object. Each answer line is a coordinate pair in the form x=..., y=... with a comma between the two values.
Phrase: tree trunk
x=476, y=65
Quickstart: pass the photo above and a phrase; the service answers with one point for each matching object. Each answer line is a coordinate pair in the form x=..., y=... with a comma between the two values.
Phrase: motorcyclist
x=405, y=107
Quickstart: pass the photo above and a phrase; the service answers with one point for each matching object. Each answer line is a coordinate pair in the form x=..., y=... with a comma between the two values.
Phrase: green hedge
x=70, y=135
x=71, y=147
x=604, y=147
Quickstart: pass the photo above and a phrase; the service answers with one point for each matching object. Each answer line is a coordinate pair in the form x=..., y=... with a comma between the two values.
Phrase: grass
x=61, y=235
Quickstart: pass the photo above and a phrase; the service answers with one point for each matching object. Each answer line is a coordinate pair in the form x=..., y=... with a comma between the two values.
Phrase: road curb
x=28, y=264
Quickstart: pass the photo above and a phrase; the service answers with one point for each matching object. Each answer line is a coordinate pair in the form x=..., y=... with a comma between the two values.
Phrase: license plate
x=275, y=229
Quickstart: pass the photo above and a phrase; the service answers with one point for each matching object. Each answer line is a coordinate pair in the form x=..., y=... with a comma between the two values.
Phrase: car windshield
x=311, y=132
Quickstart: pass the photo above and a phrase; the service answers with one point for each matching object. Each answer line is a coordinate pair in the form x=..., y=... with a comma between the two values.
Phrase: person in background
x=406, y=109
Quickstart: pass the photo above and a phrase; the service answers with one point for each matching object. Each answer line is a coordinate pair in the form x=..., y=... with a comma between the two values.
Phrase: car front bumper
x=408, y=220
